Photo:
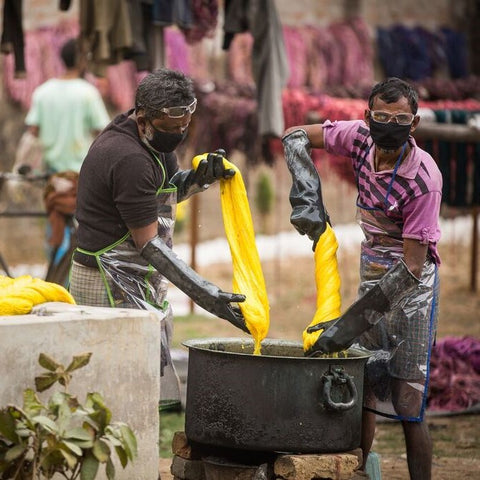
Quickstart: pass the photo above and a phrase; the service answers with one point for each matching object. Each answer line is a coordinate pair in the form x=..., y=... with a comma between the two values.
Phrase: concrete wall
x=124, y=367
x=45, y=13
x=428, y=13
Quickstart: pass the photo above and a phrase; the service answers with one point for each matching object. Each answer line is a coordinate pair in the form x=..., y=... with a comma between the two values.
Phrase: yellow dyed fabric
x=327, y=280
x=19, y=295
x=247, y=270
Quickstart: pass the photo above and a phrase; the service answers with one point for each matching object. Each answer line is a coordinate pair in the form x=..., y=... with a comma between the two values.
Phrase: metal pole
x=446, y=132
x=473, y=272
x=158, y=47
x=4, y=266
x=194, y=208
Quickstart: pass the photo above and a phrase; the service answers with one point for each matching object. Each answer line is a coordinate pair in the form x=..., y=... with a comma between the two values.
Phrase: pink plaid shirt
x=413, y=202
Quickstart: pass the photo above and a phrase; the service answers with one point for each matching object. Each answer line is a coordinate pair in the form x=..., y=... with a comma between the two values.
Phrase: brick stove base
x=199, y=462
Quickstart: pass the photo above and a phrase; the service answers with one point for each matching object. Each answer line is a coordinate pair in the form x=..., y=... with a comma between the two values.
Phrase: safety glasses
x=385, y=117
x=179, y=112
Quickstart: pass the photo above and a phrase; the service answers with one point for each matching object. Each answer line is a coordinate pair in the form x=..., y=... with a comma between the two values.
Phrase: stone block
x=339, y=466
x=187, y=469
x=181, y=447
x=218, y=469
x=358, y=453
x=124, y=367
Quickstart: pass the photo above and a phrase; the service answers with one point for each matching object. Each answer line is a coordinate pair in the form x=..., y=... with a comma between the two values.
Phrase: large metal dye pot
x=279, y=401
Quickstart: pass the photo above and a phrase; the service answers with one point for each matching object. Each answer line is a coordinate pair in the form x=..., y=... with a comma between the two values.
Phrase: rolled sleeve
x=338, y=136
x=421, y=218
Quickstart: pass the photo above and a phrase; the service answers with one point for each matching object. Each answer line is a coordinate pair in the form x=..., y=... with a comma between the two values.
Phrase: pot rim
x=202, y=344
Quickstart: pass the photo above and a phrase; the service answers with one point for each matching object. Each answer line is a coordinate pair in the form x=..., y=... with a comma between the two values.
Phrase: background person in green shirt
x=66, y=114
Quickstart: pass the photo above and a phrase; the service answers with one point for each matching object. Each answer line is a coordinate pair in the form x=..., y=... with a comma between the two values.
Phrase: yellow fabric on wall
x=19, y=295
x=327, y=279
x=247, y=270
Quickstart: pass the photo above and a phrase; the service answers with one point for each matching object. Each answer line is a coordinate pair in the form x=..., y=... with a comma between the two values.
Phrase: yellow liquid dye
x=247, y=270
x=327, y=279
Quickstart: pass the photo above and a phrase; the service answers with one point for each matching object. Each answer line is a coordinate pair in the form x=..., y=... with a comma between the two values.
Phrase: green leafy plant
x=62, y=436
x=264, y=199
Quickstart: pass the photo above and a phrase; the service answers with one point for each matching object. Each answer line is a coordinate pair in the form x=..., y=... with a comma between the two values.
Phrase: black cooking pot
x=279, y=401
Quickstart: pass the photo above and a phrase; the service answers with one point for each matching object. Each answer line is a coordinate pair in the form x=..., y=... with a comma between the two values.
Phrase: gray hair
x=391, y=90
x=163, y=88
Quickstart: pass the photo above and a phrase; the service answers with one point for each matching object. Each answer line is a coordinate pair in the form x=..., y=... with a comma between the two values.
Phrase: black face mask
x=165, y=142
x=389, y=136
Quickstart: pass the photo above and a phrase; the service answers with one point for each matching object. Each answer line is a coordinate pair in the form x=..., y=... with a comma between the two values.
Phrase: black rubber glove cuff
x=367, y=311
x=183, y=180
x=308, y=213
x=201, y=291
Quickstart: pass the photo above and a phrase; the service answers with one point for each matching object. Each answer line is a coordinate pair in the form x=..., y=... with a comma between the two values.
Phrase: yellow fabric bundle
x=19, y=295
x=327, y=280
x=247, y=270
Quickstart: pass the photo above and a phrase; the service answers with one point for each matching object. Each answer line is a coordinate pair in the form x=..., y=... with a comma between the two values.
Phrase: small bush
x=62, y=436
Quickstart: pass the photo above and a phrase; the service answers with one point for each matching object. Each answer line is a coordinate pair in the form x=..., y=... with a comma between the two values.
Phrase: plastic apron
x=396, y=381
x=131, y=282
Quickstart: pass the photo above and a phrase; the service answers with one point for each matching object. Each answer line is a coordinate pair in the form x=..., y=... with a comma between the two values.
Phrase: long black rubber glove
x=308, y=212
x=201, y=291
x=367, y=311
x=208, y=171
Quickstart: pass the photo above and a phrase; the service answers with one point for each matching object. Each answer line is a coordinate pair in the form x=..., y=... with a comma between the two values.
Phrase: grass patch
x=466, y=438
x=389, y=438
x=196, y=326
x=170, y=422
x=456, y=436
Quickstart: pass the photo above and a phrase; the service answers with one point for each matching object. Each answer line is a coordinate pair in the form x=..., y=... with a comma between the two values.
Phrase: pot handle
x=339, y=377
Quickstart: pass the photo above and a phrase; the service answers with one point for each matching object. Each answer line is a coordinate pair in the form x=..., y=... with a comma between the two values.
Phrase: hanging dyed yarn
x=310, y=217
x=247, y=270
x=327, y=280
